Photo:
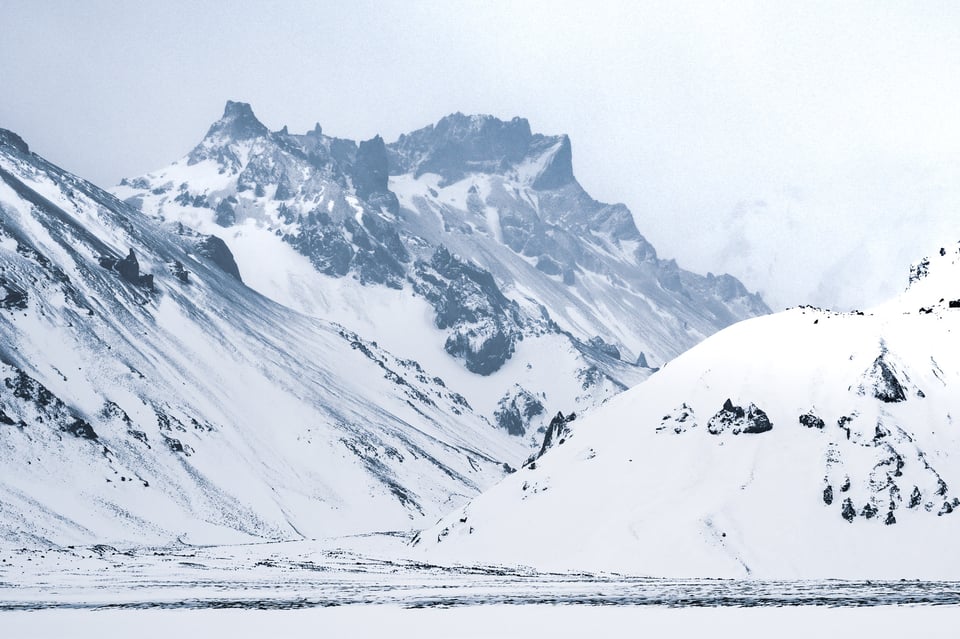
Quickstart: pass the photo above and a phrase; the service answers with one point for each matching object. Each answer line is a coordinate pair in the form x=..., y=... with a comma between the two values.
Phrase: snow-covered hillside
x=802, y=444
x=467, y=246
x=148, y=395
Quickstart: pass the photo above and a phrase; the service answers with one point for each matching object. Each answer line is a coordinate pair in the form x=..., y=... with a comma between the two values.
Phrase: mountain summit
x=473, y=222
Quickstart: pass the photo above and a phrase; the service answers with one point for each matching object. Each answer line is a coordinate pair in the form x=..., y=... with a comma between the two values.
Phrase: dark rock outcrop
x=12, y=296
x=558, y=431
x=881, y=381
x=485, y=324
x=516, y=409
x=810, y=420
x=734, y=418
x=129, y=269
x=217, y=251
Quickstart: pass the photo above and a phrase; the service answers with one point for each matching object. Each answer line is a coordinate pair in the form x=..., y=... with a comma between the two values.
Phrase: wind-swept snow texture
x=804, y=444
x=147, y=395
x=468, y=246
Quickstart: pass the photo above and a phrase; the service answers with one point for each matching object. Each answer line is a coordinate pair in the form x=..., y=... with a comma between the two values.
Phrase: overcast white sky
x=812, y=149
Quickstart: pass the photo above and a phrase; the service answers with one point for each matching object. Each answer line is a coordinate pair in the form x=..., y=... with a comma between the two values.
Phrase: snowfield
x=497, y=621
x=803, y=445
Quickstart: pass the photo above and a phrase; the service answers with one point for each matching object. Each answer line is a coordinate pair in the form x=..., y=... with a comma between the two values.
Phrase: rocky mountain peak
x=557, y=171
x=237, y=123
x=11, y=139
x=459, y=144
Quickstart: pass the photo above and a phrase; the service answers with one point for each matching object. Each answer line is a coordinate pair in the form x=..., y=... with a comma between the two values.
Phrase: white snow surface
x=488, y=622
x=199, y=410
x=643, y=486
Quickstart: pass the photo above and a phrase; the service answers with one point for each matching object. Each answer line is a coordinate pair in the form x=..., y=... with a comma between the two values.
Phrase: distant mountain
x=147, y=395
x=468, y=246
x=804, y=444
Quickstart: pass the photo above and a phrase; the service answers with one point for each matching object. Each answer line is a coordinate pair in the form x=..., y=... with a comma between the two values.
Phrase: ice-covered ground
x=349, y=586
x=501, y=621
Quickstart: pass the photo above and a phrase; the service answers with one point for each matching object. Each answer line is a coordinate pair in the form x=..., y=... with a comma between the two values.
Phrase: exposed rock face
x=129, y=269
x=347, y=207
x=460, y=143
x=120, y=403
x=737, y=420
x=516, y=409
x=610, y=350
x=556, y=434
x=848, y=511
x=216, y=250
x=881, y=380
x=12, y=296
x=29, y=404
x=810, y=420
x=896, y=468
x=484, y=324
x=14, y=141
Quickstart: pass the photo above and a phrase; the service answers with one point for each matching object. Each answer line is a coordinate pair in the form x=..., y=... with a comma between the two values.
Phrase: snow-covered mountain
x=807, y=443
x=467, y=246
x=148, y=395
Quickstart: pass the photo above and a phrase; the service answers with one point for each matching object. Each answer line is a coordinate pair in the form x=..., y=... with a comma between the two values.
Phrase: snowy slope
x=148, y=395
x=467, y=246
x=802, y=444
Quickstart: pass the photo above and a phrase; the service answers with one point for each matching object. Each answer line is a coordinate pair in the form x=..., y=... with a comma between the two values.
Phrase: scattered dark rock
x=915, y=498
x=180, y=272
x=891, y=519
x=82, y=429
x=828, y=495
x=175, y=445
x=12, y=296
x=681, y=419
x=810, y=420
x=843, y=421
x=848, y=512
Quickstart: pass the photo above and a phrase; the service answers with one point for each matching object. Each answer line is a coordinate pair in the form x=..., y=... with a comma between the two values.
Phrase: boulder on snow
x=810, y=420
x=753, y=420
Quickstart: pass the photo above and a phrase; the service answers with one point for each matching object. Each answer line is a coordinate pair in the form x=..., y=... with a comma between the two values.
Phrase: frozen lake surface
x=300, y=575
x=314, y=589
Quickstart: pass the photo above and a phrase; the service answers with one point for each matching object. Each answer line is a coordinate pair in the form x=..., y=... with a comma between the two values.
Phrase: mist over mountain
x=474, y=223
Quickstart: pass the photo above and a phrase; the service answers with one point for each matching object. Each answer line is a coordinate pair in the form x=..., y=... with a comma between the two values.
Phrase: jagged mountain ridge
x=147, y=395
x=480, y=220
x=805, y=444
